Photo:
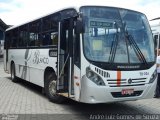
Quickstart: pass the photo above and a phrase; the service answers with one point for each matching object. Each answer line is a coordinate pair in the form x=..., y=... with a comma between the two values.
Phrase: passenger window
x=46, y=39
x=54, y=38
x=49, y=31
x=34, y=33
x=23, y=38
x=14, y=38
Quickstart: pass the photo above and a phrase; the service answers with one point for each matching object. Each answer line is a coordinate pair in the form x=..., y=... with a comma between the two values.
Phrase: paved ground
x=26, y=100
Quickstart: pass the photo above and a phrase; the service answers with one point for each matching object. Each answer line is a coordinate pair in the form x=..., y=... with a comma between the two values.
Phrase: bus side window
x=54, y=38
x=46, y=39
x=31, y=39
x=14, y=38
x=7, y=40
x=34, y=30
x=23, y=38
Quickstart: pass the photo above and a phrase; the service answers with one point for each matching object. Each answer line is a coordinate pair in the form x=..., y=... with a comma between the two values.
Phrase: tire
x=50, y=88
x=13, y=73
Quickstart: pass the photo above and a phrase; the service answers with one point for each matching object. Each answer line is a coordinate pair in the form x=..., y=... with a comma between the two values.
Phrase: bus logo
x=39, y=59
x=129, y=81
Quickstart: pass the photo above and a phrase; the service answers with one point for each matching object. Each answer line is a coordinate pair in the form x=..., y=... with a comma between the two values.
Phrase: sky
x=14, y=12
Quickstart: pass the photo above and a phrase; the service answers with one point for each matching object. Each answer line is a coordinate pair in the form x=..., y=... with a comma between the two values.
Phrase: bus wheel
x=13, y=73
x=50, y=88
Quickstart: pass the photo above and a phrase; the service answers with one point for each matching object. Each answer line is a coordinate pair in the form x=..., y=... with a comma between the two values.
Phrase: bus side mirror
x=79, y=26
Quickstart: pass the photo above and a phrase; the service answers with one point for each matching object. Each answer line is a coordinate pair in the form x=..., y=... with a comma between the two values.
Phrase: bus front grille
x=126, y=82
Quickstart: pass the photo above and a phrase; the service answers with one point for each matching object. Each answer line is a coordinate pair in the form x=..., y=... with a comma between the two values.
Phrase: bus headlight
x=153, y=77
x=94, y=77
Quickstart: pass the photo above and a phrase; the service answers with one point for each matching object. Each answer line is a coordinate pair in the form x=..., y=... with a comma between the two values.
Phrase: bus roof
x=57, y=12
x=70, y=8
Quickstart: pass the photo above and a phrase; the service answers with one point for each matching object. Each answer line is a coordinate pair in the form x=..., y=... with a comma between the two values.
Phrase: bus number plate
x=127, y=91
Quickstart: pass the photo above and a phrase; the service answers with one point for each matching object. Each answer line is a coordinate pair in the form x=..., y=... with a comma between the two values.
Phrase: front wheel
x=50, y=88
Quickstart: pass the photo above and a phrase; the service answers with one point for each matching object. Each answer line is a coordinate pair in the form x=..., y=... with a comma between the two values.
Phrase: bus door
x=65, y=58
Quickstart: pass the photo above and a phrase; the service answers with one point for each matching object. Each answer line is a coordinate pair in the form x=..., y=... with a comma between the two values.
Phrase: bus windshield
x=116, y=35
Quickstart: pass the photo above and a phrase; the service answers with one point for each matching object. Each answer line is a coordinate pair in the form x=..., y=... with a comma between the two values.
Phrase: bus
x=155, y=27
x=93, y=54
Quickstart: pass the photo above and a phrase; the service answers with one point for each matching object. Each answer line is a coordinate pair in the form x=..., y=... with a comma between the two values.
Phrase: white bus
x=95, y=54
x=155, y=27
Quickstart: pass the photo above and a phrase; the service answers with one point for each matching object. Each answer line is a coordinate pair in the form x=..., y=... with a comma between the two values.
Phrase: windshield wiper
x=136, y=48
x=113, y=47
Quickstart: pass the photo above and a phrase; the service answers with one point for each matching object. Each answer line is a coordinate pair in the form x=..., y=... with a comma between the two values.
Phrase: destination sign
x=101, y=24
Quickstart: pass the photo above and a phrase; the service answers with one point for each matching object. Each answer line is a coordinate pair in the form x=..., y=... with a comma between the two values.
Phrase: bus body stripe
x=118, y=78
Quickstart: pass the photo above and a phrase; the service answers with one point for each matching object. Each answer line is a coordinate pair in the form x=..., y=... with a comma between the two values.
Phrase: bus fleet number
x=144, y=73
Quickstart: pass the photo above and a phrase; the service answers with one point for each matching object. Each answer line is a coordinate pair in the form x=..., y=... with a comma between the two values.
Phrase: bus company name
x=37, y=59
x=128, y=67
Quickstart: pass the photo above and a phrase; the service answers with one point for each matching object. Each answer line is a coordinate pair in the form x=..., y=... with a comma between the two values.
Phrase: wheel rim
x=52, y=88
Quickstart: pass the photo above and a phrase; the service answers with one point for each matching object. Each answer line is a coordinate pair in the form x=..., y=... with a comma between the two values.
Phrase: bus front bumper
x=91, y=93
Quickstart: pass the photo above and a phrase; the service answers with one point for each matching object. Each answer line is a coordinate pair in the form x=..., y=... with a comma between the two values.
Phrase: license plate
x=127, y=91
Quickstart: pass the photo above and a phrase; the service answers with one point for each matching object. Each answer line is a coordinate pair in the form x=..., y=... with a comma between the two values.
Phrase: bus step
x=64, y=94
x=62, y=91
